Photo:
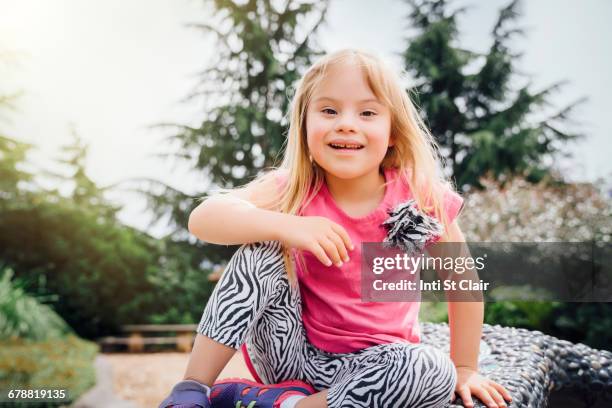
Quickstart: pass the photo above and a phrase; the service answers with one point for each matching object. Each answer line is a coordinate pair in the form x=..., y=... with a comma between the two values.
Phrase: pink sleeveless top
x=335, y=318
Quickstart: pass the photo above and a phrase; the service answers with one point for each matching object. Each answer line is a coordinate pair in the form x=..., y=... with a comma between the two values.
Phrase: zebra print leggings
x=254, y=303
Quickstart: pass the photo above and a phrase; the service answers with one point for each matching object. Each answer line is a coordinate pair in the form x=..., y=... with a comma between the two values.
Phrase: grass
x=59, y=363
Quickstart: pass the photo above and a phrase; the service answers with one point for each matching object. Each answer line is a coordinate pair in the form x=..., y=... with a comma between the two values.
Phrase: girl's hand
x=469, y=383
x=325, y=239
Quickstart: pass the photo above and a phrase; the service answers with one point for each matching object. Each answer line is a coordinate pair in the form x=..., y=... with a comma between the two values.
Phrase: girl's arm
x=465, y=322
x=238, y=217
x=249, y=215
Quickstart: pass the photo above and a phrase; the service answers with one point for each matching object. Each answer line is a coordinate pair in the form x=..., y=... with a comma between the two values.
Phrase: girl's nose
x=346, y=123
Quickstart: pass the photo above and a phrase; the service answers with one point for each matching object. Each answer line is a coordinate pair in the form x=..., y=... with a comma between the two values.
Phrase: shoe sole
x=288, y=383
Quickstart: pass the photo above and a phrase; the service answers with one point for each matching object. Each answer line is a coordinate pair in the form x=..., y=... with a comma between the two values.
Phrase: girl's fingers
x=331, y=250
x=340, y=247
x=483, y=394
x=499, y=400
x=466, y=397
x=344, y=235
x=318, y=251
x=502, y=390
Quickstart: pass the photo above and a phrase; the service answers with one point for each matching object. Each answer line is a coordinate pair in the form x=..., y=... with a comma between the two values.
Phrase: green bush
x=525, y=311
x=71, y=246
x=531, y=315
x=102, y=273
x=23, y=316
x=588, y=323
x=58, y=363
x=435, y=312
x=37, y=349
x=527, y=314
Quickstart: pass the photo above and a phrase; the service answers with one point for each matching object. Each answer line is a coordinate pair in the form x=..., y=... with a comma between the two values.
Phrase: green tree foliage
x=85, y=192
x=72, y=252
x=70, y=247
x=102, y=273
x=97, y=267
x=12, y=153
x=482, y=124
x=261, y=48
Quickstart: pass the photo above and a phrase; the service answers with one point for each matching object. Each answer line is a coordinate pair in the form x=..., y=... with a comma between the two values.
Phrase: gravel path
x=147, y=378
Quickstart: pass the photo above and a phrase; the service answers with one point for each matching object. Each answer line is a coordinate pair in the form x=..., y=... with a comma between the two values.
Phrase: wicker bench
x=136, y=339
x=532, y=365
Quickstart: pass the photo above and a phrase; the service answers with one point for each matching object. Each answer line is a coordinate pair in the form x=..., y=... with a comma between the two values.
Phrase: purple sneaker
x=239, y=392
x=187, y=394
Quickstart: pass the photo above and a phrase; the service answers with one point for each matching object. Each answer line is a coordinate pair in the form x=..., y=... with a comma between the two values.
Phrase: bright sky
x=112, y=68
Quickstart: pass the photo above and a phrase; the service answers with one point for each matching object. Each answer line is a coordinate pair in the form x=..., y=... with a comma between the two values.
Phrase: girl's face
x=344, y=111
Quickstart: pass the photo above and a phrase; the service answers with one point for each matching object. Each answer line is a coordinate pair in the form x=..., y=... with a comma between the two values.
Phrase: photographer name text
x=441, y=284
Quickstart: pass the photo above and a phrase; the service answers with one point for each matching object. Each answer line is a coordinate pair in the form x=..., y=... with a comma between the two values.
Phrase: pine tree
x=260, y=55
x=85, y=194
x=482, y=125
x=262, y=48
x=13, y=154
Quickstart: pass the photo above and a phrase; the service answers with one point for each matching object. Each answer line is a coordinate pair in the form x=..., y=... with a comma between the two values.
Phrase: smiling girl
x=290, y=298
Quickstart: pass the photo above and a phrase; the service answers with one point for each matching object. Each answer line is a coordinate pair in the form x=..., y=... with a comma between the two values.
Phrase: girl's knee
x=262, y=260
x=447, y=372
x=264, y=250
x=429, y=369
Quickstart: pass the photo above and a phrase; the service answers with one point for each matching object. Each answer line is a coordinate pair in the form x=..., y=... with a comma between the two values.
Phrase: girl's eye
x=328, y=111
x=369, y=113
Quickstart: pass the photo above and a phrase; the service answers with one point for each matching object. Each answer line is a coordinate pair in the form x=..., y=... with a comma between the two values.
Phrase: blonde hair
x=414, y=153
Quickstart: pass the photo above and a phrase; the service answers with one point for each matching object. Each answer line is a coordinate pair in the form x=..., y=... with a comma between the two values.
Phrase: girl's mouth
x=345, y=147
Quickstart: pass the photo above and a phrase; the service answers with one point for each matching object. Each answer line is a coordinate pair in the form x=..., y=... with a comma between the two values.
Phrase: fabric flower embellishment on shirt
x=409, y=229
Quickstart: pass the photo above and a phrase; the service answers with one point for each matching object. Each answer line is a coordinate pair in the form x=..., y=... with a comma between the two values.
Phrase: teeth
x=344, y=146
